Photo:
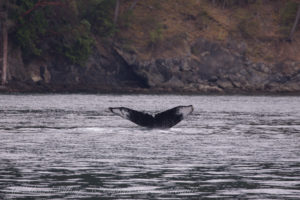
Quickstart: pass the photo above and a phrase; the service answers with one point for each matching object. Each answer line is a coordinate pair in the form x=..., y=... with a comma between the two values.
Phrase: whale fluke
x=165, y=119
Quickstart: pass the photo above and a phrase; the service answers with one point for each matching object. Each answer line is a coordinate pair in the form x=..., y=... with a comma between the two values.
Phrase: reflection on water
x=71, y=147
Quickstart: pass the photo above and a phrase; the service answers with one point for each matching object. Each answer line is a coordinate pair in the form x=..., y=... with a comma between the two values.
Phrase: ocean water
x=72, y=147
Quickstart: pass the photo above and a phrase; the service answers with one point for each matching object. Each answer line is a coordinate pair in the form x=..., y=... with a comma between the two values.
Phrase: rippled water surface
x=71, y=147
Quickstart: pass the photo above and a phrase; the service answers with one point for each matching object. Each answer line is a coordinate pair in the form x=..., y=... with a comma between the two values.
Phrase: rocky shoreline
x=205, y=67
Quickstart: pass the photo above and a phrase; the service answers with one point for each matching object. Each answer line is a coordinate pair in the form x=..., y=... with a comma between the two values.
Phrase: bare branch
x=43, y=4
x=117, y=12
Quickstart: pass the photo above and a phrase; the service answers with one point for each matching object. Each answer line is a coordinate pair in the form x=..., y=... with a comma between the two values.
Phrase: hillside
x=171, y=24
x=197, y=46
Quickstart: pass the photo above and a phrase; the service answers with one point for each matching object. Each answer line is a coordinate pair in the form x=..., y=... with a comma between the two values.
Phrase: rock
x=16, y=67
x=174, y=82
x=212, y=68
x=209, y=89
x=225, y=84
x=226, y=69
x=217, y=60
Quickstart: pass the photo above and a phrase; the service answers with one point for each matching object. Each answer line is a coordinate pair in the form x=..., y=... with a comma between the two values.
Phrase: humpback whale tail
x=165, y=119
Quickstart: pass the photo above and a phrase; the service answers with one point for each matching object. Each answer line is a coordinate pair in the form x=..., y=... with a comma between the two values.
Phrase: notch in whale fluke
x=165, y=119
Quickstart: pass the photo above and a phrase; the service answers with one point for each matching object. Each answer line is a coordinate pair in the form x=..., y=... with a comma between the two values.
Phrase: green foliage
x=204, y=19
x=79, y=51
x=100, y=16
x=126, y=19
x=248, y=27
x=28, y=35
x=51, y=29
x=156, y=35
x=287, y=16
x=78, y=48
x=288, y=13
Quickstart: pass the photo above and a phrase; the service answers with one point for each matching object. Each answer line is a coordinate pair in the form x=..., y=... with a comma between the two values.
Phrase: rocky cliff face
x=205, y=67
x=162, y=46
x=210, y=67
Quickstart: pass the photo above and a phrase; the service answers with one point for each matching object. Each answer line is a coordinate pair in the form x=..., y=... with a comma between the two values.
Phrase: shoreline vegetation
x=150, y=47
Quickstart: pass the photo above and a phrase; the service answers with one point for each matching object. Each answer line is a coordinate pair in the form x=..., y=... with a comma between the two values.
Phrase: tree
x=295, y=24
x=116, y=12
x=3, y=18
x=42, y=4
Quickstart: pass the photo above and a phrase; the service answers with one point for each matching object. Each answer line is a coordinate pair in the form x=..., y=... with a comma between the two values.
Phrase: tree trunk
x=3, y=24
x=116, y=12
x=295, y=24
x=4, y=49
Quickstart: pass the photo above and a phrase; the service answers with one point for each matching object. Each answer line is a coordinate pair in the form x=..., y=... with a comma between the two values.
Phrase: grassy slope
x=166, y=28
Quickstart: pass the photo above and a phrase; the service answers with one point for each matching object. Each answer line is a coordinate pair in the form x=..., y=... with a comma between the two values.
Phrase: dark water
x=71, y=147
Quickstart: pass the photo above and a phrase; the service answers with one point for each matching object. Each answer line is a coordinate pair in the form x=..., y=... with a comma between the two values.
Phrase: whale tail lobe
x=165, y=119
